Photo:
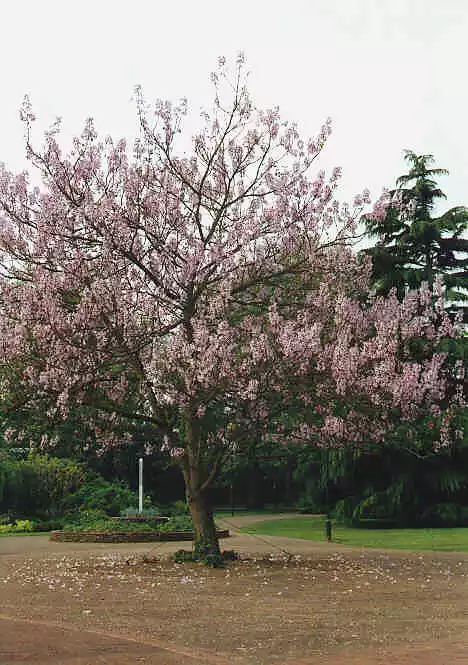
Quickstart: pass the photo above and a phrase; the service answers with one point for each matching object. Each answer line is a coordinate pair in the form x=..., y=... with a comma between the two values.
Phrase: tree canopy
x=185, y=289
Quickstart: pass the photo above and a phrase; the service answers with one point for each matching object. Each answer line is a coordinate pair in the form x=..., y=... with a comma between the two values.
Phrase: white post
x=140, y=485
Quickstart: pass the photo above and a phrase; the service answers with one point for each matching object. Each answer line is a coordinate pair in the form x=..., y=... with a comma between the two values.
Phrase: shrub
x=18, y=526
x=210, y=560
x=49, y=525
x=147, y=512
x=344, y=509
x=308, y=503
x=84, y=519
x=176, y=508
x=39, y=484
x=445, y=514
x=177, y=523
x=99, y=494
x=98, y=520
x=183, y=556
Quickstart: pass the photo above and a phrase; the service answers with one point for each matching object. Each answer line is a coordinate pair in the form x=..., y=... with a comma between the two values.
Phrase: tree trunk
x=430, y=269
x=205, y=540
x=197, y=481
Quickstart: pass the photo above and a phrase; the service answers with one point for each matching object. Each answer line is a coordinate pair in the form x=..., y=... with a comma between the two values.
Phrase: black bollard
x=328, y=529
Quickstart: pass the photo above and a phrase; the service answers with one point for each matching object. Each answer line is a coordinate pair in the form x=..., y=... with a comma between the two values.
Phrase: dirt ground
x=285, y=602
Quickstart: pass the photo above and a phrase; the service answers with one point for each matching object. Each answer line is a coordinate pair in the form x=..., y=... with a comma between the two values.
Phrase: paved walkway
x=244, y=543
x=38, y=545
x=33, y=641
x=41, y=643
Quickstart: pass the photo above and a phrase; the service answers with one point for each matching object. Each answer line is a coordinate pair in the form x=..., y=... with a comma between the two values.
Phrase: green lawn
x=225, y=512
x=313, y=528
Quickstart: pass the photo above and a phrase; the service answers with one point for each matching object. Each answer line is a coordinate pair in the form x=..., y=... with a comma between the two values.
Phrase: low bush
x=210, y=560
x=445, y=514
x=98, y=520
x=176, y=508
x=18, y=526
x=308, y=504
x=183, y=556
x=146, y=512
x=99, y=494
x=177, y=523
x=43, y=526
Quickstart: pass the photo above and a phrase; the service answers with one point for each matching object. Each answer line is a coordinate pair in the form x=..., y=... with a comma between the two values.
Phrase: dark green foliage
x=259, y=472
x=131, y=511
x=98, y=494
x=230, y=555
x=163, y=480
x=445, y=514
x=96, y=520
x=83, y=520
x=308, y=503
x=39, y=485
x=415, y=247
x=393, y=487
x=50, y=490
x=177, y=523
x=325, y=474
x=183, y=556
x=49, y=525
x=176, y=509
x=211, y=560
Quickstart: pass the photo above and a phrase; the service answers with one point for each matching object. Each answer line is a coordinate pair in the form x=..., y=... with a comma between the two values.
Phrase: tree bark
x=198, y=476
x=205, y=538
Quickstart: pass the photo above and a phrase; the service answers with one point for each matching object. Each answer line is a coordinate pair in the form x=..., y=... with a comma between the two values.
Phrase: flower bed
x=125, y=536
x=140, y=519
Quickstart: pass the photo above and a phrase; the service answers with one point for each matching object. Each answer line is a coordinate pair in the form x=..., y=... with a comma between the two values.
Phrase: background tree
x=148, y=285
x=412, y=245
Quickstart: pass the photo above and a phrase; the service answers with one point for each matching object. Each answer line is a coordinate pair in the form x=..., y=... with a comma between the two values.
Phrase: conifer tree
x=413, y=246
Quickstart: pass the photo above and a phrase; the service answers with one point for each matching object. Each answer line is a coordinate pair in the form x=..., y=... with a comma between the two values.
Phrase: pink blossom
x=173, y=285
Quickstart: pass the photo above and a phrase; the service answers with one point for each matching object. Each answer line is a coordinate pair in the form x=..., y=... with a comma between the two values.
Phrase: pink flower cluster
x=205, y=280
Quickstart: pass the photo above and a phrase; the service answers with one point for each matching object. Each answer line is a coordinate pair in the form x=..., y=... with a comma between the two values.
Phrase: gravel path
x=292, y=602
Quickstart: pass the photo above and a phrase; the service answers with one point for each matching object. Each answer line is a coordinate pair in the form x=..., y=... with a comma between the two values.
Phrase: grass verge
x=313, y=528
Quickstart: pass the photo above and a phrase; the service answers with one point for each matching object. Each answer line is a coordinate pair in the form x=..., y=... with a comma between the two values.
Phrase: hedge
x=125, y=536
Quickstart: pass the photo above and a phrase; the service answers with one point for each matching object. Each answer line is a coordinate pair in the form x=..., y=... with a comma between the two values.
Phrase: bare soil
x=285, y=602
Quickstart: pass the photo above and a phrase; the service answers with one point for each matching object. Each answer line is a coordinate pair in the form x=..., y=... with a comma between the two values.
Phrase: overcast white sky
x=390, y=73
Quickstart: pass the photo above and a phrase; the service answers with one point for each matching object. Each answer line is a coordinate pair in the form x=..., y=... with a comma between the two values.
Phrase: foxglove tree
x=185, y=288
